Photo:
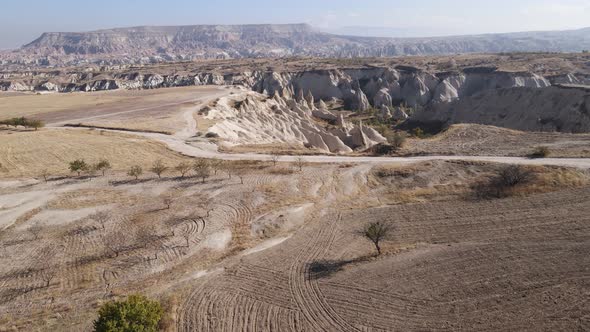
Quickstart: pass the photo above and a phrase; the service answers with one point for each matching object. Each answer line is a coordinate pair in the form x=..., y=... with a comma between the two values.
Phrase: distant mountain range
x=172, y=43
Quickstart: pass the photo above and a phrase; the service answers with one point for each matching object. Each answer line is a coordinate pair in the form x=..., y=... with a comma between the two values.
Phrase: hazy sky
x=22, y=21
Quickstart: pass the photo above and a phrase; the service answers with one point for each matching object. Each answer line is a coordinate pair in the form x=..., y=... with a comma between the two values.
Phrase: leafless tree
x=101, y=217
x=274, y=158
x=168, y=201
x=159, y=168
x=115, y=242
x=45, y=174
x=202, y=169
x=183, y=168
x=149, y=237
x=241, y=173
x=35, y=230
x=187, y=234
x=48, y=260
x=300, y=162
x=376, y=232
x=216, y=165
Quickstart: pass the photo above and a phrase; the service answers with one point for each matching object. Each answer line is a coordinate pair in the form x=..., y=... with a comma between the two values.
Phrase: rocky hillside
x=554, y=99
x=158, y=44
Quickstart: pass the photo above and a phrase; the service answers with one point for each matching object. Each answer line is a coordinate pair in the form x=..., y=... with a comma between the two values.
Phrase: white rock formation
x=257, y=119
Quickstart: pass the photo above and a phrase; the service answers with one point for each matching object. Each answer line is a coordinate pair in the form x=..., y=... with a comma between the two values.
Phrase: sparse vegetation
x=45, y=174
x=183, y=168
x=216, y=165
x=502, y=184
x=136, y=313
x=101, y=217
x=202, y=169
x=168, y=201
x=299, y=163
x=78, y=166
x=24, y=122
x=159, y=168
x=102, y=166
x=540, y=152
x=274, y=158
x=135, y=171
x=376, y=232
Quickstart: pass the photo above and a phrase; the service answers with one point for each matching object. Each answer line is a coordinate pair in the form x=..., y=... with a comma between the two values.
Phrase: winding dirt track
x=179, y=144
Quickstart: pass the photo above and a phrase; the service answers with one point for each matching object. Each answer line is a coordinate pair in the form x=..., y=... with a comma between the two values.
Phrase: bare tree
x=202, y=169
x=187, y=234
x=35, y=230
x=167, y=201
x=115, y=242
x=229, y=169
x=101, y=217
x=135, y=171
x=216, y=165
x=241, y=173
x=149, y=237
x=159, y=168
x=183, y=168
x=48, y=260
x=274, y=158
x=299, y=163
x=45, y=174
x=376, y=232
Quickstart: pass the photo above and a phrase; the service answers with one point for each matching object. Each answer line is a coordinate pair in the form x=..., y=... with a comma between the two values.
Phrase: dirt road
x=178, y=142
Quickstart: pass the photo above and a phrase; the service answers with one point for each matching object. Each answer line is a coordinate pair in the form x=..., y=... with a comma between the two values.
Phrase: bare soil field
x=472, y=140
x=159, y=109
x=271, y=249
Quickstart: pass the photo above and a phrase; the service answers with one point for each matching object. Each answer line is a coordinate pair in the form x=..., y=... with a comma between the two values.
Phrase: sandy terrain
x=281, y=252
x=272, y=248
x=472, y=139
x=134, y=109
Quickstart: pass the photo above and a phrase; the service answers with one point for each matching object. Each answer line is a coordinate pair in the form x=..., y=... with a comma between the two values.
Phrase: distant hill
x=172, y=43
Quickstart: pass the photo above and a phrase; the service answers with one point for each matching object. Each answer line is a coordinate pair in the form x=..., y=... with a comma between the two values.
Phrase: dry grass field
x=28, y=153
x=160, y=110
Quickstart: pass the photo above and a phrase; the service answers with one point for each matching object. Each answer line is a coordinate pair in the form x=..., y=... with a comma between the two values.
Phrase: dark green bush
x=136, y=314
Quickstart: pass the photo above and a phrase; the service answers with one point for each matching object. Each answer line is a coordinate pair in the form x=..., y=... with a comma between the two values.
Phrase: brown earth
x=473, y=140
x=282, y=252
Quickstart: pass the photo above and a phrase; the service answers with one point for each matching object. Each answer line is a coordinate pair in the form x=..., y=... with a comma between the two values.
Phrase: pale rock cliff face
x=445, y=97
x=149, y=44
x=549, y=109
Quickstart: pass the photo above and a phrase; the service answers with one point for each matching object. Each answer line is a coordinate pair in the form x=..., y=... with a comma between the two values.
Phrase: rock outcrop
x=262, y=120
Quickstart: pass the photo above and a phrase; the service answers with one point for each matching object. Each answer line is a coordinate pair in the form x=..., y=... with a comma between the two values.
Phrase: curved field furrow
x=306, y=292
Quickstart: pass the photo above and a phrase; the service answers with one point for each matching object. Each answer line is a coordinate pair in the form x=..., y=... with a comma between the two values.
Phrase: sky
x=23, y=21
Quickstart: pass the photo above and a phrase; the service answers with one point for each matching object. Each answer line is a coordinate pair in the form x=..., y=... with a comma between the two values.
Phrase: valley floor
x=265, y=247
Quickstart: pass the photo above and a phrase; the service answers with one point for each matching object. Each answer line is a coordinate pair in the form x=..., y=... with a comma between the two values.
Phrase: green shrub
x=136, y=314
x=79, y=166
x=418, y=132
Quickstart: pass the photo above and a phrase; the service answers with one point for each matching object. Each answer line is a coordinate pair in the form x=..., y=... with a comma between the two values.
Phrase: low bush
x=136, y=313
x=540, y=152
x=503, y=184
